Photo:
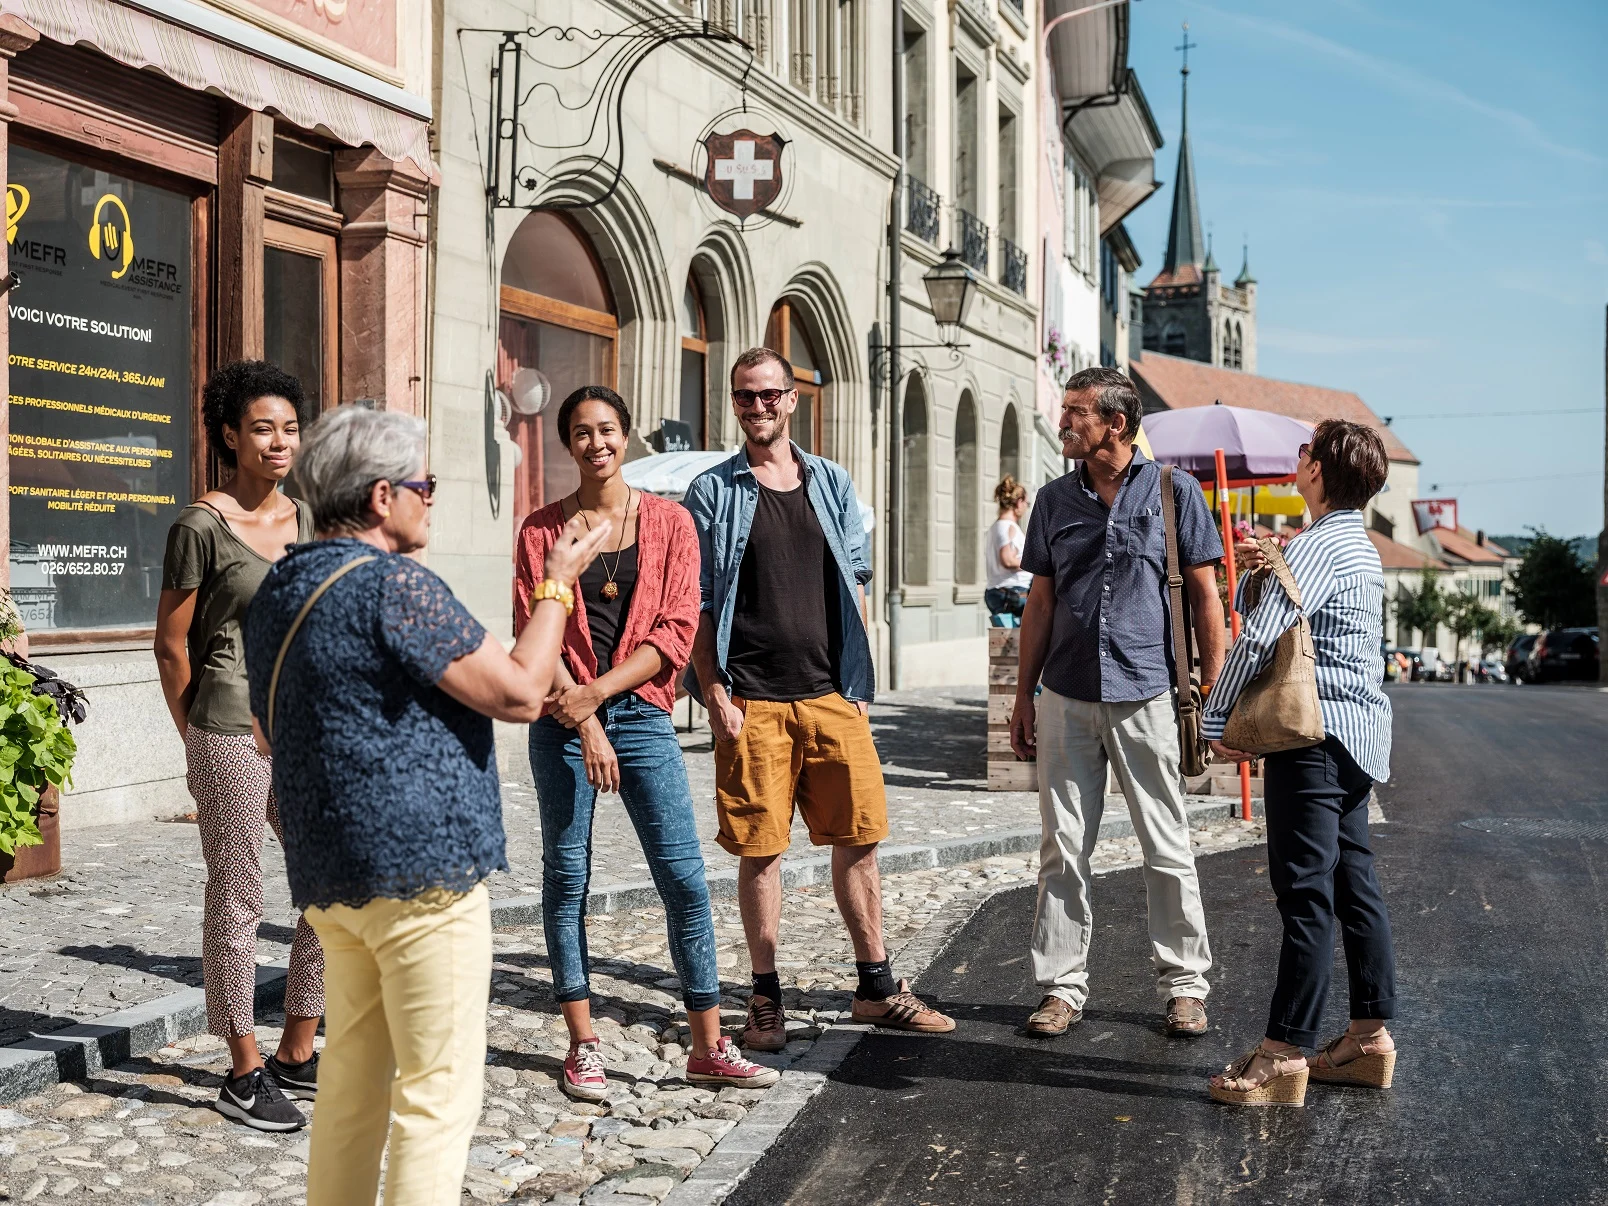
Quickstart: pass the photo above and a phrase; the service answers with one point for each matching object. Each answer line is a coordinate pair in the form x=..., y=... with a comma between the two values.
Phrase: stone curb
x=83, y=1050
x=735, y=1156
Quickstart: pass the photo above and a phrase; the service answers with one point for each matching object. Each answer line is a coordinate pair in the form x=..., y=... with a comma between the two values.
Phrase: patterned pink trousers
x=234, y=798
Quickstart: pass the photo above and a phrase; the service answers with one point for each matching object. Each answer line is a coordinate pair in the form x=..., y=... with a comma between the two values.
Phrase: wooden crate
x=1005, y=772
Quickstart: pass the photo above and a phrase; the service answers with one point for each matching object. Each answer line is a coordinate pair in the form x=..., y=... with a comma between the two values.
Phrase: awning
x=203, y=51
x=1089, y=53
x=1119, y=141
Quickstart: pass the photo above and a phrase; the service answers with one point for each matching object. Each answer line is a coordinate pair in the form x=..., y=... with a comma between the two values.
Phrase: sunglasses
x=1304, y=450
x=767, y=397
x=425, y=488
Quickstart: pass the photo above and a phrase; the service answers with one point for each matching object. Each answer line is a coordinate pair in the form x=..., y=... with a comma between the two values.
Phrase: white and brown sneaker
x=902, y=1011
x=1186, y=1017
x=767, y=1027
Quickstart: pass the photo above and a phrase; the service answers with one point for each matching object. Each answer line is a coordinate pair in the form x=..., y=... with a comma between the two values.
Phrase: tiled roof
x=1462, y=546
x=1399, y=556
x=1177, y=383
x=1184, y=274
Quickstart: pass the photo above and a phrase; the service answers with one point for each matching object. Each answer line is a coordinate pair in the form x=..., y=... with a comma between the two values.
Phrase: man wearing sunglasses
x=783, y=663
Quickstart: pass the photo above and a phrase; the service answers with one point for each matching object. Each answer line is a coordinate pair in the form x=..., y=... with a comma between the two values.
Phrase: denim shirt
x=723, y=500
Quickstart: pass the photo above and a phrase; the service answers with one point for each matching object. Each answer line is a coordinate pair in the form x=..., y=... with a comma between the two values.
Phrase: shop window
x=304, y=169
x=694, y=364
x=557, y=320
x=916, y=486
x=966, y=517
x=300, y=328
x=788, y=333
x=102, y=389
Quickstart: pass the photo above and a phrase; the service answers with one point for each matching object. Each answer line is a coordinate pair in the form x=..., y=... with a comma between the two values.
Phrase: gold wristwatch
x=549, y=589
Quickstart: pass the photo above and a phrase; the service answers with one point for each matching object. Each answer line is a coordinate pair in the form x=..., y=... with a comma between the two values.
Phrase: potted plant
x=36, y=760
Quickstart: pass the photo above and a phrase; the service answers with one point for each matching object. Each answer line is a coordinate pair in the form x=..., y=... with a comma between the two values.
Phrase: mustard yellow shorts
x=818, y=752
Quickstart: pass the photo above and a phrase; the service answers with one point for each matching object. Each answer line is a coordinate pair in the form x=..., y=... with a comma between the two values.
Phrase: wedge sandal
x=1282, y=1088
x=1373, y=1069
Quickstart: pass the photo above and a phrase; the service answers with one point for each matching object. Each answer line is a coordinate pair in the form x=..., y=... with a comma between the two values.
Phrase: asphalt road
x=1502, y=1085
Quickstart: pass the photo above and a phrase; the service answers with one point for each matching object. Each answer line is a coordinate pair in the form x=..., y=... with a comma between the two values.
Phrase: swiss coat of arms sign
x=744, y=170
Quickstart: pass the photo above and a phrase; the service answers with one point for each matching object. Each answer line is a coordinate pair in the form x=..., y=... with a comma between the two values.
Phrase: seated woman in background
x=608, y=729
x=1008, y=582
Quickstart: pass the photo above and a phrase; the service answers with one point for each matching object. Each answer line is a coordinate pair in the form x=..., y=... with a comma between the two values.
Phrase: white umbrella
x=669, y=474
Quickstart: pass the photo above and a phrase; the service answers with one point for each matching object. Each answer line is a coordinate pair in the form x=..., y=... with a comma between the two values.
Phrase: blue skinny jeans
x=653, y=786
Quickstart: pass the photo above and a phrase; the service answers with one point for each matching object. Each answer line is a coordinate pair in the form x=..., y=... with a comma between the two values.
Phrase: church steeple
x=1183, y=236
x=1245, y=277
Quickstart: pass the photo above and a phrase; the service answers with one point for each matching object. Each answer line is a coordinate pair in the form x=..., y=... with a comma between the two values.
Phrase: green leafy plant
x=36, y=748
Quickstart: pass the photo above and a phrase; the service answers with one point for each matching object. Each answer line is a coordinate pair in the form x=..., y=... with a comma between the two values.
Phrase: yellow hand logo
x=17, y=198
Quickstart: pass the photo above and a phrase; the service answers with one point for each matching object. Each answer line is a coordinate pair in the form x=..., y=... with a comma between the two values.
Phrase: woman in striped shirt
x=1319, y=859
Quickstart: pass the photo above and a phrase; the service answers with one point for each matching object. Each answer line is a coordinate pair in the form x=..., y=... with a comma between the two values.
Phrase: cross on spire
x=1186, y=47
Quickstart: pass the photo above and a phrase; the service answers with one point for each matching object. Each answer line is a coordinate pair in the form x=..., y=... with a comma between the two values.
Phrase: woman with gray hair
x=375, y=690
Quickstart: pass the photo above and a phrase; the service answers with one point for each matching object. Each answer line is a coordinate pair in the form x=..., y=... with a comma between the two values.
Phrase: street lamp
x=951, y=285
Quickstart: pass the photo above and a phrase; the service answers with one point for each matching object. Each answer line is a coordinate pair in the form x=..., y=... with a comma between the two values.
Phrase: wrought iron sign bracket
x=572, y=131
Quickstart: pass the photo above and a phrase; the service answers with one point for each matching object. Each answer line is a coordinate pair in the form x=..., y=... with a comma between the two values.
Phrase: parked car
x=1489, y=669
x=1431, y=667
x=1563, y=653
x=1518, y=651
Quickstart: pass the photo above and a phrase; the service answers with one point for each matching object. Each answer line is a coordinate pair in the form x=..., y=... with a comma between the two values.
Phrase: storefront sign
x=100, y=389
x=744, y=172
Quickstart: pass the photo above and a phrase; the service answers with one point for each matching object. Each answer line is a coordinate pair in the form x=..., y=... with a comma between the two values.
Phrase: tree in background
x=1465, y=616
x=1497, y=632
x=1552, y=587
x=1424, y=609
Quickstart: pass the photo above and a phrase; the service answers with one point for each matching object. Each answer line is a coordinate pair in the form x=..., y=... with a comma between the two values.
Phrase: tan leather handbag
x=1279, y=709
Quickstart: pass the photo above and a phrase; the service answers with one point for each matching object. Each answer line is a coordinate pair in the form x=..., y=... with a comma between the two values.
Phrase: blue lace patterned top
x=387, y=786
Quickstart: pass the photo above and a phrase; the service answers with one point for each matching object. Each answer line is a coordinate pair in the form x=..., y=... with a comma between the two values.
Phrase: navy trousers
x=1322, y=871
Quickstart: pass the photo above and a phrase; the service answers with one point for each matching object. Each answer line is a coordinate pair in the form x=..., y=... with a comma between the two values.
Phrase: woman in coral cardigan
x=607, y=728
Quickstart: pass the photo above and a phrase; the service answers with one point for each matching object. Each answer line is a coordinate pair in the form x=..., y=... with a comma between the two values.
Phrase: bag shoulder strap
x=295, y=627
x=1281, y=569
x=1175, y=587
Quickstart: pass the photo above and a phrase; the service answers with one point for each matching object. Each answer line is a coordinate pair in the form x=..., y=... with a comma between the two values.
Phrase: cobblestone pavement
x=144, y=1132
x=122, y=924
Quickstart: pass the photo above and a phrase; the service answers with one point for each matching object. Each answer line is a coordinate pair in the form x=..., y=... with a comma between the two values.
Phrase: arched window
x=966, y=517
x=789, y=333
x=1239, y=346
x=558, y=319
x=1010, y=444
x=916, y=494
x=1173, y=340
x=694, y=365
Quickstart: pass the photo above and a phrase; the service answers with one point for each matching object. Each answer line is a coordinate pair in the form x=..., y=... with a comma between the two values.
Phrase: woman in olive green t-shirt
x=219, y=550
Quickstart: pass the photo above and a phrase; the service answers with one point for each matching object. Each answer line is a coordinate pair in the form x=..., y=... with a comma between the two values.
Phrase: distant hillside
x=1585, y=547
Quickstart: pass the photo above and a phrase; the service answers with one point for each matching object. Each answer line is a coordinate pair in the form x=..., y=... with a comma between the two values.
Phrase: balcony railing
x=1013, y=266
x=921, y=210
x=973, y=239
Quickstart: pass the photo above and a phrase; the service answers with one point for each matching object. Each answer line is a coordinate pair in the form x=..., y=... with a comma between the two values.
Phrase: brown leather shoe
x=904, y=1010
x=1053, y=1018
x=767, y=1027
x=1186, y=1017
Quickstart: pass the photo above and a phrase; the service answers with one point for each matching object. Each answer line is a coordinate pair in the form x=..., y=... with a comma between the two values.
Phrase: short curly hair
x=234, y=387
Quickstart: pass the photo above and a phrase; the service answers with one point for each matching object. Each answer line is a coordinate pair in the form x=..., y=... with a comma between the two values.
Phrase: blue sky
x=1425, y=188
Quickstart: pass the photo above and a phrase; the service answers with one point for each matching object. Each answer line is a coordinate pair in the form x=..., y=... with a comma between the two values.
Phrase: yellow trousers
x=406, y=983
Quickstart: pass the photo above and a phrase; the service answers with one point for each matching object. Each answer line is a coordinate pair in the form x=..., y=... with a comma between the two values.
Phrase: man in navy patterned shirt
x=1097, y=632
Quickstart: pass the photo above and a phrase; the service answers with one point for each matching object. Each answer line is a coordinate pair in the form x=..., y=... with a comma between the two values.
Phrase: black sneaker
x=296, y=1080
x=255, y=1100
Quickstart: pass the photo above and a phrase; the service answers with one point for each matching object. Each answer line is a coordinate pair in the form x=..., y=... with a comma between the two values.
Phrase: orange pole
x=1233, y=616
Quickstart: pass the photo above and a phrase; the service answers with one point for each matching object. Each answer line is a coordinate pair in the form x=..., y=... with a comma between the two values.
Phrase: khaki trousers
x=1076, y=742
x=406, y=983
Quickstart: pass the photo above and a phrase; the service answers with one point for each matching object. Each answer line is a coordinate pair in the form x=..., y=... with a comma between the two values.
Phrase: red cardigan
x=664, y=605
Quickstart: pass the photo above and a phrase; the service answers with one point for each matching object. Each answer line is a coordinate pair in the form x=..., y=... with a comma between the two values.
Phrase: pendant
x=610, y=591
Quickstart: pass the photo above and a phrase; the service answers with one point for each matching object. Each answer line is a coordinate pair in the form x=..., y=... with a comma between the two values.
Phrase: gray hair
x=345, y=452
x=1115, y=394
